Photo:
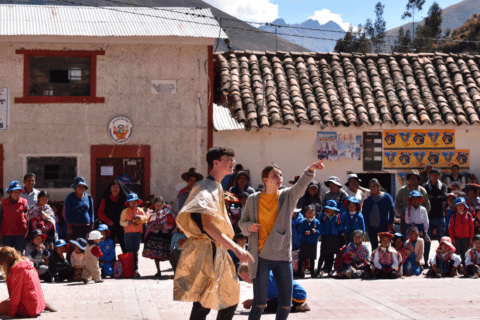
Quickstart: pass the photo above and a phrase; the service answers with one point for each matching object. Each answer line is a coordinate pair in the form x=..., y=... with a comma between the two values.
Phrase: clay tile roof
x=332, y=89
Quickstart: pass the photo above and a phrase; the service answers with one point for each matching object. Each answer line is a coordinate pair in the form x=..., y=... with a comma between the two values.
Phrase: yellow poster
x=417, y=159
x=419, y=139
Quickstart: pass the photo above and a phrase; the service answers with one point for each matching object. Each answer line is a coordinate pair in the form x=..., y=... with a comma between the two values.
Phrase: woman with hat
x=355, y=190
x=378, y=211
x=191, y=177
x=110, y=209
x=336, y=192
x=12, y=215
x=79, y=212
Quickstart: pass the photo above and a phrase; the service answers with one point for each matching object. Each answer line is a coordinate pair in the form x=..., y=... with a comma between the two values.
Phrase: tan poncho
x=198, y=278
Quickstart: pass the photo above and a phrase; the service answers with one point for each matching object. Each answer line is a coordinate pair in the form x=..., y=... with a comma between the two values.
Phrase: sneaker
x=85, y=281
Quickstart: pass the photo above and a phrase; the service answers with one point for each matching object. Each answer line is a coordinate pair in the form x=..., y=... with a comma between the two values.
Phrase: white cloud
x=249, y=10
x=324, y=15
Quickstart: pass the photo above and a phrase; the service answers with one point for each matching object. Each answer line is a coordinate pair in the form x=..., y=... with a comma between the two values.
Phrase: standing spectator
x=425, y=174
x=191, y=177
x=297, y=217
x=309, y=230
x=335, y=193
x=401, y=200
x=229, y=179
x=449, y=208
x=378, y=212
x=110, y=209
x=79, y=213
x=353, y=218
x=311, y=197
x=242, y=184
x=437, y=195
x=29, y=192
x=355, y=190
x=472, y=197
x=416, y=215
x=461, y=228
x=12, y=216
x=330, y=228
x=456, y=181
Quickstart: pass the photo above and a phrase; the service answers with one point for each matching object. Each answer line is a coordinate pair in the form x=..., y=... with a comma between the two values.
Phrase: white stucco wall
x=294, y=148
x=175, y=126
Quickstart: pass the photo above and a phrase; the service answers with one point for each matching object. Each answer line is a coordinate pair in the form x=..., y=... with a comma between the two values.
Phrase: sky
x=343, y=12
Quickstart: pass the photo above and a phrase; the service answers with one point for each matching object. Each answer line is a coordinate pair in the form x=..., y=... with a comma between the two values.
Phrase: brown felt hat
x=192, y=172
x=414, y=173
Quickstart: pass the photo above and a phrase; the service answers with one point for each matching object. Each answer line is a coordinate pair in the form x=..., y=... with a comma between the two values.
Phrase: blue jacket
x=386, y=207
x=329, y=226
x=350, y=224
x=312, y=238
x=108, y=249
x=295, y=235
x=299, y=293
x=79, y=211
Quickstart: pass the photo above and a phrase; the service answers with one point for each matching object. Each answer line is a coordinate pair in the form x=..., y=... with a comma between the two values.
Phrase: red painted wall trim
x=210, y=100
x=60, y=99
x=118, y=151
x=1, y=166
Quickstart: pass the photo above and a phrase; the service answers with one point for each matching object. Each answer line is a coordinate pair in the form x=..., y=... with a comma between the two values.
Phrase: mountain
x=453, y=16
x=315, y=40
x=242, y=35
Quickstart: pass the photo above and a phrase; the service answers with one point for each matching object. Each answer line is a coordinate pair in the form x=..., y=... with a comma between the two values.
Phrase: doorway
x=387, y=181
x=111, y=162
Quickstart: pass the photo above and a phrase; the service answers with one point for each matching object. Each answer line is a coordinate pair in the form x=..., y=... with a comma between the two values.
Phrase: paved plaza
x=149, y=298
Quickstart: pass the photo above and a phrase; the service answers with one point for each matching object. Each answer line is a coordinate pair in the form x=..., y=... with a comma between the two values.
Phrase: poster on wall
x=372, y=151
x=417, y=159
x=327, y=145
x=4, y=109
x=349, y=146
x=419, y=139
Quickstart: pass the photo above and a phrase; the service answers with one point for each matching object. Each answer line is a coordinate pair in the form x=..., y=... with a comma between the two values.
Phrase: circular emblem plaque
x=120, y=130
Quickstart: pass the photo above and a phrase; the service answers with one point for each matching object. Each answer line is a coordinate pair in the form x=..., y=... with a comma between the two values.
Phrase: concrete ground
x=149, y=298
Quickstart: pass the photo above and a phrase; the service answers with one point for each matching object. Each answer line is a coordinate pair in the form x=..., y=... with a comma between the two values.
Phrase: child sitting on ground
x=57, y=264
x=472, y=258
x=241, y=240
x=330, y=227
x=107, y=246
x=385, y=258
x=461, y=228
x=353, y=219
x=77, y=257
x=356, y=258
x=178, y=240
x=41, y=217
x=299, y=297
x=91, y=269
x=445, y=262
x=37, y=253
x=415, y=247
x=416, y=215
x=309, y=230
x=398, y=242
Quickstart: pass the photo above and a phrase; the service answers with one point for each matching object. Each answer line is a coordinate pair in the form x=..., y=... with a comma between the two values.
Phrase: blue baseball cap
x=415, y=193
x=133, y=197
x=60, y=243
x=332, y=205
x=14, y=185
x=102, y=227
x=461, y=200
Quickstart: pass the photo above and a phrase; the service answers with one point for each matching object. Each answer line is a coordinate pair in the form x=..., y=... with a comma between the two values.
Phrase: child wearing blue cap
x=57, y=264
x=309, y=230
x=107, y=246
x=77, y=257
x=416, y=215
x=353, y=219
x=12, y=216
x=330, y=228
x=461, y=229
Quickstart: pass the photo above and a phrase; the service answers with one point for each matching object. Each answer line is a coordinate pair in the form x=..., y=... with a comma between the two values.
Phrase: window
x=53, y=172
x=59, y=77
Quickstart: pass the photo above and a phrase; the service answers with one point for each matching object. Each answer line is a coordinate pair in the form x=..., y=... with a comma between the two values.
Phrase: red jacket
x=14, y=222
x=461, y=226
x=26, y=295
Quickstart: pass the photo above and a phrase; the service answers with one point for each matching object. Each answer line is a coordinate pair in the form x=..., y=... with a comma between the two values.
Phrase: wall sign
x=327, y=145
x=106, y=171
x=372, y=151
x=419, y=139
x=4, y=109
x=120, y=130
x=417, y=159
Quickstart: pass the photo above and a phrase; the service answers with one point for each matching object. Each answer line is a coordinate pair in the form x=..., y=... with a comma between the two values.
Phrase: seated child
x=299, y=298
x=57, y=264
x=414, y=246
x=330, y=228
x=20, y=275
x=445, y=262
x=91, y=268
x=41, y=217
x=353, y=219
x=37, y=253
x=107, y=246
x=356, y=258
x=77, y=257
x=241, y=240
x=385, y=258
x=398, y=243
x=178, y=240
x=472, y=258
x=309, y=230
x=461, y=228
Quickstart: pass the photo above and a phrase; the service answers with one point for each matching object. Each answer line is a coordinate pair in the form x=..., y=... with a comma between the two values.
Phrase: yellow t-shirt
x=267, y=216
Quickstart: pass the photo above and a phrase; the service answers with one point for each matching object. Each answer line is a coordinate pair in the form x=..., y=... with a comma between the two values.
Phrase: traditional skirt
x=157, y=246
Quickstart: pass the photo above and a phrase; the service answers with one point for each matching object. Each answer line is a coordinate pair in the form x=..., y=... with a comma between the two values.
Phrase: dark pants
x=117, y=235
x=471, y=270
x=132, y=243
x=64, y=274
x=380, y=274
x=272, y=306
x=302, y=263
x=79, y=231
x=176, y=257
x=16, y=242
x=462, y=247
x=200, y=313
x=373, y=236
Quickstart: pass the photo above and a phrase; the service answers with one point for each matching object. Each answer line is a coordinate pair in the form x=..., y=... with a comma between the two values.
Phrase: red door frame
x=1, y=166
x=118, y=151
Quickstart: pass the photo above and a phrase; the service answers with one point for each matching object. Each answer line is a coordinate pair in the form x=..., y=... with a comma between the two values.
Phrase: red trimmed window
x=60, y=77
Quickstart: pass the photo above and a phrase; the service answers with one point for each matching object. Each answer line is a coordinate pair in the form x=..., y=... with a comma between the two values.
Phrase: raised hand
x=316, y=166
